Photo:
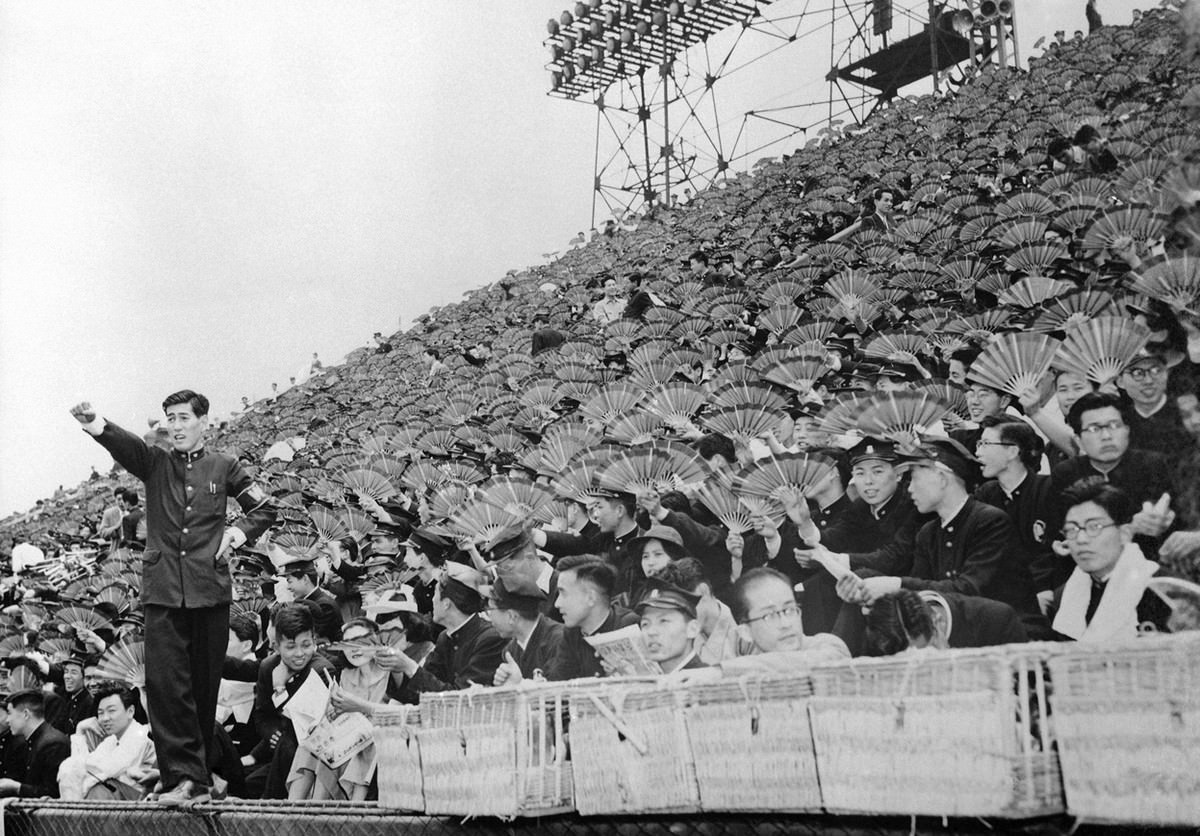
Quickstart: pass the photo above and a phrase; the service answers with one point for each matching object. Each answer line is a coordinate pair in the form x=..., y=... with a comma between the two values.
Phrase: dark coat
x=882, y=542
x=1031, y=508
x=46, y=749
x=541, y=649
x=613, y=549
x=469, y=655
x=186, y=495
x=977, y=553
x=576, y=658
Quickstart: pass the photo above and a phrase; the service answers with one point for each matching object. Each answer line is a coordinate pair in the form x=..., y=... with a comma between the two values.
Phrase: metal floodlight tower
x=628, y=59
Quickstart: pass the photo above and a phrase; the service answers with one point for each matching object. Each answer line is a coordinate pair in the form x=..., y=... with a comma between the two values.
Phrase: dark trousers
x=185, y=649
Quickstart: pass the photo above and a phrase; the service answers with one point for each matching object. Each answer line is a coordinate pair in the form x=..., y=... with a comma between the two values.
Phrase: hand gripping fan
x=896, y=346
x=328, y=524
x=1073, y=310
x=555, y=516
x=902, y=417
x=368, y=483
x=754, y=394
x=852, y=289
x=447, y=500
x=482, y=523
x=1124, y=226
x=742, y=422
x=424, y=477
x=297, y=542
x=636, y=428
x=124, y=662
x=611, y=402
x=1033, y=291
x=518, y=496
x=1100, y=349
x=359, y=522
x=1175, y=281
x=677, y=401
x=81, y=617
x=1014, y=362
x=780, y=476
x=723, y=503
x=798, y=372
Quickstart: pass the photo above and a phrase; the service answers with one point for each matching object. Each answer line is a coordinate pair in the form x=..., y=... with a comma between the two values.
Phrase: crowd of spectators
x=928, y=383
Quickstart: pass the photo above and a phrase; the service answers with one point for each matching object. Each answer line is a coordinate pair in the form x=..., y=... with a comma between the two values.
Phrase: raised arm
x=127, y=449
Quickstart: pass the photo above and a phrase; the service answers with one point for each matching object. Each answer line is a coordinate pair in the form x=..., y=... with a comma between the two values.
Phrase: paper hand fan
x=897, y=346
x=1100, y=349
x=1014, y=362
x=677, y=402
x=328, y=524
x=1033, y=290
x=78, y=618
x=1175, y=281
x=902, y=417
x=781, y=477
x=368, y=483
x=636, y=428
x=741, y=423
x=124, y=662
x=1123, y=227
x=612, y=402
x=723, y=503
x=518, y=496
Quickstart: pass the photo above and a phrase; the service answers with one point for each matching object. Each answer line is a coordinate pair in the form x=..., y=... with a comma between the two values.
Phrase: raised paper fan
x=776, y=477
x=1014, y=362
x=1036, y=259
x=446, y=500
x=124, y=662
x=852, y=289
x=810, y=332
x=735, y=371
x=298, y=542
x=980, y=326
x=1017, y=232
x=459, y=409
x=1175, y=281
x=574, y=371
x=675, y=402
x=723, y=504
x=581, y=478
x=611, y=402
x=726, y=313
x=780, y=292
x=57, y=649
x=559, y=448
x=328, y=524
x=662, y=466
x=655, y=331
x=542, y=396
x=555, y=516
x=360, y=523
x=439, y=441
x=779, y=318
x=1138, y=180
x=635, y=428
x=1100, y=349
x=254, y=606
x=840, y=414
x=902, y=417
x=423, y=477
x=756, y=394
x=368, y=483
x=1181, y=188
x=483, y=523
x=954, y=397
x=798, y=372
x=1071, y=311
x=896, y=346
x=463, y=472
x=653, y=374
x=830, y=253
x=913, y=230
x=741, y=423
x=116, y=594
x=1033, y=291
x=667, y=315
x=1025, y=204
x=1122, y=227
x=1073, y=218
x=722, y=337
x=386, y=581
x=519, y=496
x=81, y=618
x=758, y=507
x=693, y=328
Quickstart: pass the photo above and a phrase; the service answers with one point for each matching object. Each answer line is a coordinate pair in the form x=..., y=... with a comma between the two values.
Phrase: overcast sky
x=204, y=194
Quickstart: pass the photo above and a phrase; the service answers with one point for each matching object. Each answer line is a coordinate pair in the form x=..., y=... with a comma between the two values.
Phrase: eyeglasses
x=1070, y=531
x=982, y=443
x=1151, y=373
x=790, y=611
x=1096, y=429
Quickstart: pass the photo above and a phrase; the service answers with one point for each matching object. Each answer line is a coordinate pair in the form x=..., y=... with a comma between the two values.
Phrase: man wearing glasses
x=1106, y=597
x=1154, y=423
x=1100, y=421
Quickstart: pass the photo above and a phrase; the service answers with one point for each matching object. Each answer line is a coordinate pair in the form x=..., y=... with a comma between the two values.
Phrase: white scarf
x=1116, y=616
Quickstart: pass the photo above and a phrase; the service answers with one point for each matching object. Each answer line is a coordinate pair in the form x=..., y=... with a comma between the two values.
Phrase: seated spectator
x=1100, y=160
x=46, y=749
x=515, y=604
x=300, y=577
x=468, y=652
x=640, y=300
x=280, y=676
x=544, y=337
x=121, y=765
x=879, y=214
x=718, y=639
x=906, y=620
x=133, y=523
x=360, y=688
x=12, y=747
x=1105, y=600
x=615, y=515
x=1154, y=422
x=235, y=698
x=517, y=556
x=611, y=307
x=585, y=591
x=667, y=617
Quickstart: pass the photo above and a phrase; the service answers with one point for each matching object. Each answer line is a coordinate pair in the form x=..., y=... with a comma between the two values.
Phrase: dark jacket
x=615, y=550
x=883, y=542
x=469, y=655
x=47, y=749
x=977, y=553
x=1162, y=432
x=541, y=649
x=186, y=495
x=71, y=710
x=327, y=616
x=576, y=658
x=1031, y=508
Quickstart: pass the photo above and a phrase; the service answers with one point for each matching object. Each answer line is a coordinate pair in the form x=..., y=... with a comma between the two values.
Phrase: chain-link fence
x=274, y=818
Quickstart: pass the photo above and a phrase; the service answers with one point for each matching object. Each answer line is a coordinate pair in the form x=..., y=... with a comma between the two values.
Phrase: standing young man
x=186, y=584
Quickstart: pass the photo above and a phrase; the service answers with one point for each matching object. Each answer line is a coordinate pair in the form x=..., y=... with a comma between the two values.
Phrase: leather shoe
x=186, y=792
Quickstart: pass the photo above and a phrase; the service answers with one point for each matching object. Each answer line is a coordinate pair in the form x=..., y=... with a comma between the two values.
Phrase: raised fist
x=83, y=412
